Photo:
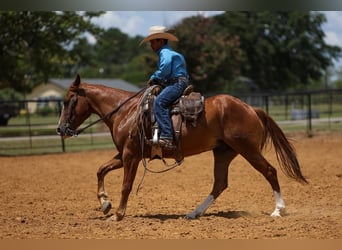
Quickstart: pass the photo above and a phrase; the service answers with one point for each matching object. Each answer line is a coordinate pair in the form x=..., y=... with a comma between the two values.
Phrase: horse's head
x=75, y=110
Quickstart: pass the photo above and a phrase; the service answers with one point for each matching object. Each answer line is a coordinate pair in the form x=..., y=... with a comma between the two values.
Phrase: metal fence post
x=28, y=122
x=266, y=103
x=62, y=139
x=63, y=144
x=286, y=107
x=309, y=127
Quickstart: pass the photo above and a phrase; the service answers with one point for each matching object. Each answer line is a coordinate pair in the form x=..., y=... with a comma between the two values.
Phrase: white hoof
x=192, y=216
x=278, y=212
x=200, y=210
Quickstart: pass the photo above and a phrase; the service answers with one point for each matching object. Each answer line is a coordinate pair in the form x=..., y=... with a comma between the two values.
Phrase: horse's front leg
x=114, y=163
x=130, y=169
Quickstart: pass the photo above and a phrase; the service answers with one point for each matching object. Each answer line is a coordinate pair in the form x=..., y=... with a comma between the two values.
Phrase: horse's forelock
x=74, y=88
x=77, y=90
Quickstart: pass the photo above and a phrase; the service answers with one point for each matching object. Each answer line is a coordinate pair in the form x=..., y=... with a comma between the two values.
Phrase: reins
x=144, y=162
x=111, y=112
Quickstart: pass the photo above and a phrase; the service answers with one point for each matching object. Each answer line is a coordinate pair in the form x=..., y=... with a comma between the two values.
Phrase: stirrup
x=166, y=143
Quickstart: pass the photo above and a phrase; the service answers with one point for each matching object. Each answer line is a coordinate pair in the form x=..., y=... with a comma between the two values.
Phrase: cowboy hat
x=159, y=32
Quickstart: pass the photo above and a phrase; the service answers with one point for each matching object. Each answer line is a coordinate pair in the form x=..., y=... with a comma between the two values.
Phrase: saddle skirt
x=189, y=106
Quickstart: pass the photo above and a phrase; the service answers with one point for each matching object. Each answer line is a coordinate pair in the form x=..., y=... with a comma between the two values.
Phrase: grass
x=54, y=144
x=37, y=125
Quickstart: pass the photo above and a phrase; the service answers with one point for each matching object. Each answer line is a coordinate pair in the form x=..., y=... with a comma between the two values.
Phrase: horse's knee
x=101, y=172
x=109, y=166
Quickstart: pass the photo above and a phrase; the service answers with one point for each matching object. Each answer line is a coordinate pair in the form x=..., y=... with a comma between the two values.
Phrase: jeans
x=162, y=103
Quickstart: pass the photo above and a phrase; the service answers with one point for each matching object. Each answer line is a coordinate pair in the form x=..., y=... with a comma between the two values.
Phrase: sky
x=138, y=22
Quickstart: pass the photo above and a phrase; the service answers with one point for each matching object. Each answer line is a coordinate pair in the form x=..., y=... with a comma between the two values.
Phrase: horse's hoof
x=118, y=216
x=278, y=212
x=106, y=207
x=191, y=216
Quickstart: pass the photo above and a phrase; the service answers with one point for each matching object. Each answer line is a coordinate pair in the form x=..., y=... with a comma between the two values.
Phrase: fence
x=31, y=128
x=306, y=110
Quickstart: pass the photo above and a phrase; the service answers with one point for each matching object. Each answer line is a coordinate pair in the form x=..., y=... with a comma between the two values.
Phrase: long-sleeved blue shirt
x=171, y=64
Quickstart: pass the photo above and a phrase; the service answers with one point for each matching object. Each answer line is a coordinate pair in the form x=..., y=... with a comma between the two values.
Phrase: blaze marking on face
x=60, y=118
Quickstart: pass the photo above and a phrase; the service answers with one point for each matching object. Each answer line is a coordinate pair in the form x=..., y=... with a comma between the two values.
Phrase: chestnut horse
x=227, y=126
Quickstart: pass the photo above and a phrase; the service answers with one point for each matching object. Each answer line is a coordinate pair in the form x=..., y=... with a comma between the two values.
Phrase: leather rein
x=79, y=131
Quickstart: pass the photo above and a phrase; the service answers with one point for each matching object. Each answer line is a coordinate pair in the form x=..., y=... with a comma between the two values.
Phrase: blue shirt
x=171, y=64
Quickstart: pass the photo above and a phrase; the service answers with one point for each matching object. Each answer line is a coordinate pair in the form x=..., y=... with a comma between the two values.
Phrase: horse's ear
x=74, y=86
x=77, y=81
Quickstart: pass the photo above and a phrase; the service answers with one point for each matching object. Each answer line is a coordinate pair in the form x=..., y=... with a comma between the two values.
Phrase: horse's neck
x=101, y=99
x=104, y=99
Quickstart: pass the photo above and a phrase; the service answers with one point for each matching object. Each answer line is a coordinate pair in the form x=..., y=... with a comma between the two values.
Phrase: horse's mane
x=101, y=87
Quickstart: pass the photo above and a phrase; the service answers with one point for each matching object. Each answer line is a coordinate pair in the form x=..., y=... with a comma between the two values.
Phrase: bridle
x=73, y=102
x=70, y=116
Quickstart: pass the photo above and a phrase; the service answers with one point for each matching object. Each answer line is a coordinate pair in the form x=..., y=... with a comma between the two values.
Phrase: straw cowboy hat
x=159, y=32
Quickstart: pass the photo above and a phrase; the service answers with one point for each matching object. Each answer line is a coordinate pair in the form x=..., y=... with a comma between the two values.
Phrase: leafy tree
x=111, y=47
x=283, y=49
x=213, y=57
x=83, y=55
x=115, y=55
x=36, y=45
x=338, y=82
x=136, y=72
x=9, y=94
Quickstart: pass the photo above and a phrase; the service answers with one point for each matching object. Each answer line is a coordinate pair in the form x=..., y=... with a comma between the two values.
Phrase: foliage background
x=230, y=52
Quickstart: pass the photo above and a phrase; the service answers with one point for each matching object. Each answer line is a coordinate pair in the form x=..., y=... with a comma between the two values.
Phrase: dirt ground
x=54, y=197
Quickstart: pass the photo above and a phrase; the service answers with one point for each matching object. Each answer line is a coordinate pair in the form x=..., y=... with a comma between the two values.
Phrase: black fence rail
x=305, y=110
x=32, y=130
x=29, y=126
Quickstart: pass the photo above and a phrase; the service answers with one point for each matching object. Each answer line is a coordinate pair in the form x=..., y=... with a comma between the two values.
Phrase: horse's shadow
x=165, y=217
x=226, y=215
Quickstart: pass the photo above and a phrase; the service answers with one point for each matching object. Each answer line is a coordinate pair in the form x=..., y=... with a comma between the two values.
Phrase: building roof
x=113, y=83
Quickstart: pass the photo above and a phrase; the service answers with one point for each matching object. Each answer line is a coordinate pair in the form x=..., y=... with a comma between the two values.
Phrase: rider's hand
x=151, y=82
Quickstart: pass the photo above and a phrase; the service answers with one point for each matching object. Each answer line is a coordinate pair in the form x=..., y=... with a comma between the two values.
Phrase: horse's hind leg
x=114, y=163
x=270, y=173
x=223, y=155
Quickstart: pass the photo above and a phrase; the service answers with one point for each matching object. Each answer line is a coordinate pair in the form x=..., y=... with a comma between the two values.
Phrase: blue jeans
x=162, y=104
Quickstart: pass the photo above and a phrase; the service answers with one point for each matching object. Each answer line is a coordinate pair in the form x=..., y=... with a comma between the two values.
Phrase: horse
x=227, y=126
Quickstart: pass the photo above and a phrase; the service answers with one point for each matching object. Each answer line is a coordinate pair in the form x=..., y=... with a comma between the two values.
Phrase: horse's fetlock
x=102, y=195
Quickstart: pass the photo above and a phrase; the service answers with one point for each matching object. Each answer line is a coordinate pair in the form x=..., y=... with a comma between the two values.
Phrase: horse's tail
x=286, y=154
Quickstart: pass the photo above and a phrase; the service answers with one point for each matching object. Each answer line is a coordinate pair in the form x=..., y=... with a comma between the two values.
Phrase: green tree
x=36, y=45
x=213, y=57
x=136, y=72
x=283, y=49
x=83, y=56
x=115, y=55
x=338, y=82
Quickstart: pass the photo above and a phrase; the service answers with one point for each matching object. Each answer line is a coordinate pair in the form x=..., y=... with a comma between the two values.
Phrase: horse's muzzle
x=66, y=130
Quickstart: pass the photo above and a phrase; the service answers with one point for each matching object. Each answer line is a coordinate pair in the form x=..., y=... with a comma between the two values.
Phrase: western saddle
x=187, y=108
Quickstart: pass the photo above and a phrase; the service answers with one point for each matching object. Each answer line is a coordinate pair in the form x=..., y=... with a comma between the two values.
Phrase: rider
x=171, y=74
